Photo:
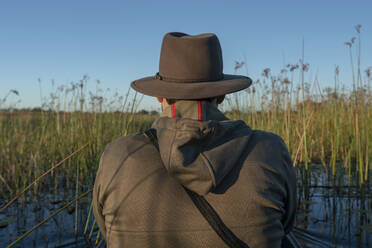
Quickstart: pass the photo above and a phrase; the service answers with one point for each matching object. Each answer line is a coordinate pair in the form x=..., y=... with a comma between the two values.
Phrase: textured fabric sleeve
x=271, y=189
x=97, y=205
x=291, y=187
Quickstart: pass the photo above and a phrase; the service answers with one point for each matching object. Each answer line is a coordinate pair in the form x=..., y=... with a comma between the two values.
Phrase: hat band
x=168, y=79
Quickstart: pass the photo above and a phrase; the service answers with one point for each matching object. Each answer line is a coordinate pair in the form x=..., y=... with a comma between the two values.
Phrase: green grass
x=328, y=126
x=31, y=142
x=334, y=129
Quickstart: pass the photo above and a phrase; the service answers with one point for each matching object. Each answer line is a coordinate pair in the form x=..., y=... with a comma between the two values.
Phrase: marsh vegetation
x=53, y=151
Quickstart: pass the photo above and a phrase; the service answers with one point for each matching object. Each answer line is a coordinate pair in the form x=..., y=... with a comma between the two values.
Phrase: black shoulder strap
x=206, y=209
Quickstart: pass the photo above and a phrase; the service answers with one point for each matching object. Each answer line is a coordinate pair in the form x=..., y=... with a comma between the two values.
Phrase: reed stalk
x=76, y=194
x=303, y=106
x=88, y=217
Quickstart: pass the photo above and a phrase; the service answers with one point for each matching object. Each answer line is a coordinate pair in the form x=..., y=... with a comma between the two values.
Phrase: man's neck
x=191, y=109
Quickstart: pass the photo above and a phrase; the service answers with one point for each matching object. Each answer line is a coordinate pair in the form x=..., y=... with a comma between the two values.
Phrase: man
x=246, y=175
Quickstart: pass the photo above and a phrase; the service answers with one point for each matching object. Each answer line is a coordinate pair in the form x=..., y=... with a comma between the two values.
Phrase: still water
x=333, y=211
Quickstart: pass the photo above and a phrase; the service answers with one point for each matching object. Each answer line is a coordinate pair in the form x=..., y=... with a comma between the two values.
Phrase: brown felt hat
x=190, y=67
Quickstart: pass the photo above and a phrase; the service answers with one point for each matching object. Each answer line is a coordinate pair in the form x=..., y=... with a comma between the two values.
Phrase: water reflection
x=333, y=211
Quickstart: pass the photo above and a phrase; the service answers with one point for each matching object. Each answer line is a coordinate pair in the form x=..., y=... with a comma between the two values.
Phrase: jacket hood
x=199, y=154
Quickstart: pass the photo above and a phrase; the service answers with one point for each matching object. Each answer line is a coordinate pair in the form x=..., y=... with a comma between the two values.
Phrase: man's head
x=190, y=68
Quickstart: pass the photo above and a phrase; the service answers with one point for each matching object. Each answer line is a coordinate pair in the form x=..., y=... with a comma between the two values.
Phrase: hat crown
x=187, y=58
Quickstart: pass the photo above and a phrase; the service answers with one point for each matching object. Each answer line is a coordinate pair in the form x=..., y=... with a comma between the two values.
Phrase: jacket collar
x=192, y=110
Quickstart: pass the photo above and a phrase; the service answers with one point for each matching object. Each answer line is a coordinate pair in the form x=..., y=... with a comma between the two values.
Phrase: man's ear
x=220, y=99
x=160, y=99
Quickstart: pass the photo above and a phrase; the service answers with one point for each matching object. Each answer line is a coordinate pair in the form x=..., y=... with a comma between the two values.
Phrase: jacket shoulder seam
x=121, y=166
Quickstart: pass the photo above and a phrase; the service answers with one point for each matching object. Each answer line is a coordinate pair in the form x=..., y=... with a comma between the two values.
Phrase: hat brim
x=196, y=90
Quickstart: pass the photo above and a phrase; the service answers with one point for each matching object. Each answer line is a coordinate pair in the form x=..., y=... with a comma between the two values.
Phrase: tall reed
x=329, y=126
x=32, y=140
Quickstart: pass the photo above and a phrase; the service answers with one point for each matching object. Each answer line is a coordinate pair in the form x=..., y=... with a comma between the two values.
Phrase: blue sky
x=119, y=41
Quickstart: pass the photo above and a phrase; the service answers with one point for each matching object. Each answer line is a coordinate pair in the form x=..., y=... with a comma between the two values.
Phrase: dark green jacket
x=246, y=175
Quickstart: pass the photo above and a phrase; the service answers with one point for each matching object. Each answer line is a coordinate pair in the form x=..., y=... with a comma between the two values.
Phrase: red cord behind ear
x=173, y=110
x=200, y=110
